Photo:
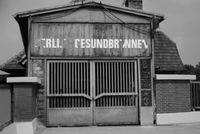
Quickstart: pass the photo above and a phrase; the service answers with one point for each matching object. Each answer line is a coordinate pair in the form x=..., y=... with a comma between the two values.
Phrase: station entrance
x=91, y=92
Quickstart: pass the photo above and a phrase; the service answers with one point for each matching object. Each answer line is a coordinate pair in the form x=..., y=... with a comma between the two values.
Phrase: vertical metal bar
x=121, y=76
x=103, y=83
x=109, y=78
x=61, y=73
x=84, y=81
x=103, y=80
x=56, y=98
x=118, y=77
x=126, y=68
x=88, y=79
x=81, y=78
x=106, y=77
x=112, y=87
x=194, y=99
x=72, y=101
x=116, y=74
x=100, y=78
x=124, y=79
x=197, y=94
x=56, y=78
x=75, y=83
x=97, y=77
x=197, y=99
x=66, y=76
x=86, y=84
x=113, y=80
x=136, y=80
x=54, y=103
x=69, y=78
x=49, y=78
x=132, y=77
x=92, y=88
x=49, y=75
x=129, y=76
x=73, y=77
x=100, y=83
x=78, y=81
x=192, y=92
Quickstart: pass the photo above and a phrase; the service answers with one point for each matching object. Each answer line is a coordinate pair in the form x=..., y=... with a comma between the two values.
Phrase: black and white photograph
x=99, y=67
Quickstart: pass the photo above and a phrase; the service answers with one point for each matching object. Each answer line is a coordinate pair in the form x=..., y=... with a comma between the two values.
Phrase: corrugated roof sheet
x=167, y=57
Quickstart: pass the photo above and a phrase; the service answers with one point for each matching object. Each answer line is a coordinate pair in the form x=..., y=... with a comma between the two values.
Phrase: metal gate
x=91, y=93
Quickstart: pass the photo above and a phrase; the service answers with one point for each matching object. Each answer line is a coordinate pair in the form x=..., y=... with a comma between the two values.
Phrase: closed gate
x=91, y=93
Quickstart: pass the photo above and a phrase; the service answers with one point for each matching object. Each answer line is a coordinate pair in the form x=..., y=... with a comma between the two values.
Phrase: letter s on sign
x=76, y=42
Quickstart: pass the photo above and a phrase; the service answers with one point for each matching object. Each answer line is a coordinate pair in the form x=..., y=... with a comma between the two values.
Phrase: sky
x=181, y=24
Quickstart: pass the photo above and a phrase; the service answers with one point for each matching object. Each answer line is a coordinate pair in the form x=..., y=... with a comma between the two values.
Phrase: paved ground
x=174, y=129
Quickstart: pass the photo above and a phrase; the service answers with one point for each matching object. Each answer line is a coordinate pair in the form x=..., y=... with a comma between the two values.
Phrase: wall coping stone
x=34, y=80
x=175, y=77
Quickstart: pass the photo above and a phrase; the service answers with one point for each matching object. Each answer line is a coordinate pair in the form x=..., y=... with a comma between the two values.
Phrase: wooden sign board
x=90, y=40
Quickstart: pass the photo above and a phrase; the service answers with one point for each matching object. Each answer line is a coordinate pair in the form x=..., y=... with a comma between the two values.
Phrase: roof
x=3, y=73
x=14, y=63
x=69, y=6
x=167, y=57
x=23, y=17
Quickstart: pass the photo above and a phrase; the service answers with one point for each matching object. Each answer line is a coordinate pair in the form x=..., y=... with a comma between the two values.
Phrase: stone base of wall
x=178, y=118
x=21, y=127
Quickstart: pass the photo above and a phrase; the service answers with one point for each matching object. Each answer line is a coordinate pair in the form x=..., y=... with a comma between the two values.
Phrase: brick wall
x=5, y=104
x=145, y=65
x=172, y=96
x=24, y=102
x=38, y=71
x=146, y=89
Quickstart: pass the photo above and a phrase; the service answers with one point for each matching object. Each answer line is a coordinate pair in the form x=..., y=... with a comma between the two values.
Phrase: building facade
x=96, y=62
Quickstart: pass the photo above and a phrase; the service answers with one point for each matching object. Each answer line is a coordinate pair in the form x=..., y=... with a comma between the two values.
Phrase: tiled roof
x=167, y=57
x=14, y=63
x=3, y=73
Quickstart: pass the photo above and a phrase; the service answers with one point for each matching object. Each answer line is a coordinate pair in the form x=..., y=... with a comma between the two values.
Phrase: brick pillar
x=24, y=98
x=146, y=93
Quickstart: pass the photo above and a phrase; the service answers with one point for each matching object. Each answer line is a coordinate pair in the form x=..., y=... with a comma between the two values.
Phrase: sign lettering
x=99, y=43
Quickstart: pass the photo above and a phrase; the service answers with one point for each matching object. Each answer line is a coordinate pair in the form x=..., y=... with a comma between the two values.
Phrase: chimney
x=136, y=4
x=75, y=1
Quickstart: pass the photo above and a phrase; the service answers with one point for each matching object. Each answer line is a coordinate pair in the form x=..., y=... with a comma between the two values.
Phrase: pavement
x=172, y=129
